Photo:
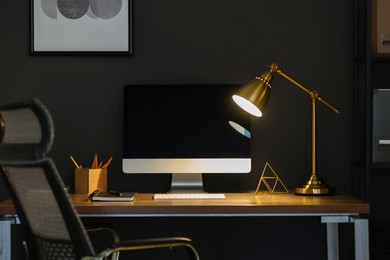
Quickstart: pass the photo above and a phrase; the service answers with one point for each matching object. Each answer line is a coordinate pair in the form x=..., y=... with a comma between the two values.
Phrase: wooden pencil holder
x=87, y=180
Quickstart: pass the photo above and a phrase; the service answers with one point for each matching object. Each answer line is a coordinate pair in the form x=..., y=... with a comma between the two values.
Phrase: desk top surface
x=240, y=204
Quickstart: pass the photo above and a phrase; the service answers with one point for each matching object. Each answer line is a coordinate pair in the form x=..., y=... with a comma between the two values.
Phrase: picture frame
x=92, y=27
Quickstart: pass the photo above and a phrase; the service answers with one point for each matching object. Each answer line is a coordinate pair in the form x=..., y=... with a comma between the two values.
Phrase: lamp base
x=314, y=186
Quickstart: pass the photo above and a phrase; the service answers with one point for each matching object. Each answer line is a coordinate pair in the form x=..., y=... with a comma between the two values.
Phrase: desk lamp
x=253, y=97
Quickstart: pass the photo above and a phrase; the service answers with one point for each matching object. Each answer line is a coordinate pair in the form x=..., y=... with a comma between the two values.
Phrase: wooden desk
x=331, y=209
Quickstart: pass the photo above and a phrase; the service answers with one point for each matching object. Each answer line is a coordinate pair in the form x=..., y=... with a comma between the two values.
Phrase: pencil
x=107, y=163
x=94, y=162
x=74, y=162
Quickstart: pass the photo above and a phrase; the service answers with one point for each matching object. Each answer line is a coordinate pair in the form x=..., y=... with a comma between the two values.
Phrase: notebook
x=111, y=196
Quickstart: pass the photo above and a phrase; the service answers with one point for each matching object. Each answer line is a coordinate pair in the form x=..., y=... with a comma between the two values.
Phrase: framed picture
x=81, y=27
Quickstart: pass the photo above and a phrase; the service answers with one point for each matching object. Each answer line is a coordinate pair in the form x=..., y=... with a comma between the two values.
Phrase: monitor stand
x=187, y=183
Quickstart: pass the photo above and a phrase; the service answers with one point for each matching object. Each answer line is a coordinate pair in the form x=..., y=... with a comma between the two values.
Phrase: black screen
x=183, y=121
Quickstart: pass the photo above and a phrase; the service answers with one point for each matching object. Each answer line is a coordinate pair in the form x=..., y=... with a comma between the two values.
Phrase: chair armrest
x=101, y=236
x=144, y=244
x=152, y=242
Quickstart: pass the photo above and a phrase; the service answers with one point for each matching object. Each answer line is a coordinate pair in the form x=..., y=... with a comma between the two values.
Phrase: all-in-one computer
x=185, y=130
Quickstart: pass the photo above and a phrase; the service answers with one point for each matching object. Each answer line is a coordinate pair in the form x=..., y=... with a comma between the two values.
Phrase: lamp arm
x=328, y=105
x=312, y=93
x=314, y=186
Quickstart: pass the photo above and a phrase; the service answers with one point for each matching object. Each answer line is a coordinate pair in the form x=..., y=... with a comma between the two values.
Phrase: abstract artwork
x=81, y=26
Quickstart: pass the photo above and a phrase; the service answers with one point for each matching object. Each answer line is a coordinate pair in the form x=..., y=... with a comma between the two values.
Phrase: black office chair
x=53, y=227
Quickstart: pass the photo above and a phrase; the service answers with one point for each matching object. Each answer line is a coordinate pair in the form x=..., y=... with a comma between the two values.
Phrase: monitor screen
x=184, y=129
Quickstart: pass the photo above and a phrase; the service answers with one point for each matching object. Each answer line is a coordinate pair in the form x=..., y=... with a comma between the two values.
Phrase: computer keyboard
x=188, y=196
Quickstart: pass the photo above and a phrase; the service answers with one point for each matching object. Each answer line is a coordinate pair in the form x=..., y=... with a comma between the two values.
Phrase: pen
x=116, y=193
x=74, y=162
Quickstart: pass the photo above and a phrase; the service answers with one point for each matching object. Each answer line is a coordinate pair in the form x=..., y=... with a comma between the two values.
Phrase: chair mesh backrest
x=25, y=126
x=56, y=228
x=38, y=202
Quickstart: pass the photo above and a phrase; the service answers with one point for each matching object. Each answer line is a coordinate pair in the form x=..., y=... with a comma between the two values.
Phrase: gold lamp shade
x=253, y=97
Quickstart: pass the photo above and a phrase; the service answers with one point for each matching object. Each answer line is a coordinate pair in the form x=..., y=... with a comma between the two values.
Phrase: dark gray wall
x=219, y=41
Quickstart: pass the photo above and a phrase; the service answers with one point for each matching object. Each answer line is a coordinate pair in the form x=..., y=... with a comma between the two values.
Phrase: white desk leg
x=5, y=238
x=332, y=231
x=361, y=239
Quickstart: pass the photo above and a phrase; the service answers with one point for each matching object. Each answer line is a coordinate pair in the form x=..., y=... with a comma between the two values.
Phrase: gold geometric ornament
x=271, y=181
